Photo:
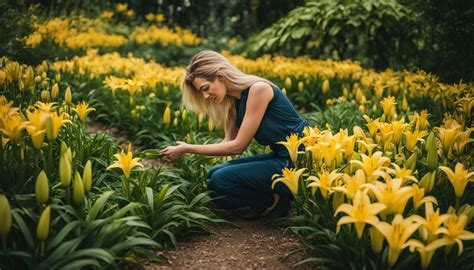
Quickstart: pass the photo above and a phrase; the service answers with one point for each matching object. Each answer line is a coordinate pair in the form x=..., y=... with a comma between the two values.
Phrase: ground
x=251, y=245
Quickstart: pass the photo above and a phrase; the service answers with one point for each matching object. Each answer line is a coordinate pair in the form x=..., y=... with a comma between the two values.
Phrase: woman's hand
x=172, y=153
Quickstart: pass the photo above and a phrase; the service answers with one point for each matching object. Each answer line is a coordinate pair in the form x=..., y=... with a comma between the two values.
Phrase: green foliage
x=374, y=32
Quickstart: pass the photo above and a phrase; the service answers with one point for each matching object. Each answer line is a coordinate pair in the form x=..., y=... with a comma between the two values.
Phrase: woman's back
x=280, y=120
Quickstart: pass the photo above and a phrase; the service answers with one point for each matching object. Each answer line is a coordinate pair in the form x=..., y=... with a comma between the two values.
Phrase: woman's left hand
x=172, y=153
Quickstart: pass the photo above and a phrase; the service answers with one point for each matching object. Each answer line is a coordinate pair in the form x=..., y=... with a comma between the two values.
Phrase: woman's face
x=213, y=91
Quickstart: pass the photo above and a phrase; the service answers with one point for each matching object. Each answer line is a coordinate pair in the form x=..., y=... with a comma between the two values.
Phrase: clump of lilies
x=381, y=180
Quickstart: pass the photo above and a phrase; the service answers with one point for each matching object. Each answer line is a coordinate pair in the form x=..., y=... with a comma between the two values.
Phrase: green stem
x=50, y=158
x=41, y=248
x=457, y=203
x=4, y=242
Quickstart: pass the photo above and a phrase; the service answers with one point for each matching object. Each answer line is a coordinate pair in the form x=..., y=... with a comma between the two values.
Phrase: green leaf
x=99, y=203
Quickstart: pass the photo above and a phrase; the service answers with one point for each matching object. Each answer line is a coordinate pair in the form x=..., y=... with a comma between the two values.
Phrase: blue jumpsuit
x=246, y=182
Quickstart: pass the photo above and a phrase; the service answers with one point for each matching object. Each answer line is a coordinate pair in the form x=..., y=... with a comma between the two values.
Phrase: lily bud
x=167, y=116
x=5, y=215
x=411, y=162
x=175, y=122
x=42, y=188
x=376, y=240
x=45, y=96
x=65, y=171
x=38, y=79
x=54, y=91
x=77, y=189
x=301, y=86
x=87, y=176
x=432, y=156
x=405, y=104
x=284, y=91
x=42, y=230
x=68, y=96
x=210, y=125
x=325, y=87
x=184, y=115
x=200, y=119
x=288, y=83
x=68, y=155
x=57, y=77
x=427, y=181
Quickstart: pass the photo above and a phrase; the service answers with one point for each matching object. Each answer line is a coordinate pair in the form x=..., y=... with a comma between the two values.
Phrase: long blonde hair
x=209, y=65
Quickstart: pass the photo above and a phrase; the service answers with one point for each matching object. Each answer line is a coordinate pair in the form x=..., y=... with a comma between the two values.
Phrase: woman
x=248, y=107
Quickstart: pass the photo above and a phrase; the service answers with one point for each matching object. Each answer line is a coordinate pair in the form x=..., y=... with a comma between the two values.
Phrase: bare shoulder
x=262, y=90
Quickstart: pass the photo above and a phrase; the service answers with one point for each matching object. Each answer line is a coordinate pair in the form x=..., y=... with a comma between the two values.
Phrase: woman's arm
x=260, y=94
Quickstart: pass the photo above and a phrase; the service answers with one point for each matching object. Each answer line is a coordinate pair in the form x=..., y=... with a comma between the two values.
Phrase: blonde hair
x=209, y=65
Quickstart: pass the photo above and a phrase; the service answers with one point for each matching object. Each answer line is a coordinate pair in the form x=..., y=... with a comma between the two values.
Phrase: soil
x=251, y=245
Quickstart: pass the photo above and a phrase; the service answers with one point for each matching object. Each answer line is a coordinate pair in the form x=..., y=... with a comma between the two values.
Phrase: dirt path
x=252, y=246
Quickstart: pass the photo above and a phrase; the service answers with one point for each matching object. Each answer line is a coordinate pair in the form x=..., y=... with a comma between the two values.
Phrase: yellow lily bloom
x=310, y=135
x=126, y=162
x=397, y=234
x=392, y=194
x=324, y=182
x=53, y=124
x=35, y=127
x=403, y=174
x=292, y=144
x=426, y=251
x=352, y=184
x=462, y=141
x=372, y=125
x=12, y=127
x=454, y=230
x=372, y=165
x=459, y=178
x=398, y=127
x=419, y=197
x=420, y=120
x=290, y=179
x=388, y=106
x=45, y=107
x=432, y=222
x=412, y=138
x=82, y=109
x=448, y=136
x=360, y=212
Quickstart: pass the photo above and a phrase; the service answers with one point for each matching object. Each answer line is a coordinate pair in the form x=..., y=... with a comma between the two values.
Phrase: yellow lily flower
x=53, y=124
x=397, y=234
x=12, y=127
x=352, y=184
x=420, y=120
x=462, y=141
x=372, y=125
x=403, y=174
x=35, y=126
x=448, y=136
x=126, y=162
x=432, y=222
x=426, y=251
x=419, y=197
x=360, y=212
x=372, y=165
x=332, y=153
x=398, y=127
x=459, y=178
x=391, y=194
x=412, y=138
x=388, y=106
x=45, y=107
x=290, y=179
x=310, y=135
x=454, y=230
x=324, y=182
x=292, y=144
x=82, y=109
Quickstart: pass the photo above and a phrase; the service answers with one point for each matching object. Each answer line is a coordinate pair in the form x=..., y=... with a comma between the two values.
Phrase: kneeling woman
x=248, y=107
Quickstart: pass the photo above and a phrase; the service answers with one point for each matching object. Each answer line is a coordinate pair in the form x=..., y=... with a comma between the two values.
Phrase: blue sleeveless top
x=280, y=120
